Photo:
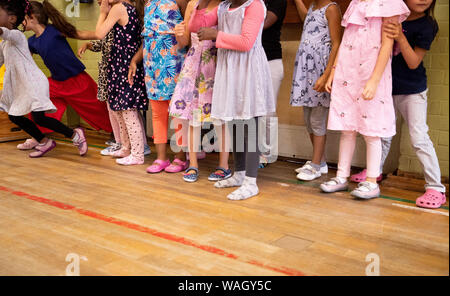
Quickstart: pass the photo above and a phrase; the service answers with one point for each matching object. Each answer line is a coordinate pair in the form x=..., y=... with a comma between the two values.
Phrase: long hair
x=430, y=14
x=18, y=8
x=45, y=12
x=140, y=8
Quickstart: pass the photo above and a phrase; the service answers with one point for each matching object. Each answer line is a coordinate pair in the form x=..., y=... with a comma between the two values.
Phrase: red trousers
x=79, y=92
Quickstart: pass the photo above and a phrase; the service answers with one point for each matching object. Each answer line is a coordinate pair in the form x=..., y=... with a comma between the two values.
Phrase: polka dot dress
x=127, y=40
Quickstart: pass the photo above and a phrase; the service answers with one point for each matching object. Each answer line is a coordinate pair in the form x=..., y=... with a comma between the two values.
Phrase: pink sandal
x=362, y=176
x=432, y=199
x=177, y=166
x=158, y=166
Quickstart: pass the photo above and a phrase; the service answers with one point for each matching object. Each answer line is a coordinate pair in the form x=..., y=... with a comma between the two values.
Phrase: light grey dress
x=25, y=87
x=312, y=60
x=243, y=87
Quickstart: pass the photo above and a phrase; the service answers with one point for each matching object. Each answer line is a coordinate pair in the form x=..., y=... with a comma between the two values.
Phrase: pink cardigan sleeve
x=253, y=19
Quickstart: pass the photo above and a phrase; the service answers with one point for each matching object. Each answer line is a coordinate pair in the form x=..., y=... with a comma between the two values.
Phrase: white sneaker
x=323, y=168
x=308, y=173
x=108, y=151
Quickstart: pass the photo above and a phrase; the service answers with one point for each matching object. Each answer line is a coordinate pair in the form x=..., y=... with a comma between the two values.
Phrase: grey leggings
x=245, y=146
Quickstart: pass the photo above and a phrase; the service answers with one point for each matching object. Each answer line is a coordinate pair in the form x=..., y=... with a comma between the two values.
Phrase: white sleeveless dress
x=243, y=84
x=25, y=87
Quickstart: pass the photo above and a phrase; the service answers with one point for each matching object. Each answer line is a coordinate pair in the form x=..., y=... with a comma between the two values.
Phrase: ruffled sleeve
x=359, y=12
x=388, y=8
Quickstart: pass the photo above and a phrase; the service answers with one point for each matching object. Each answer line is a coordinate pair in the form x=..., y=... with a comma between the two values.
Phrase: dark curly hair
x=19, y=8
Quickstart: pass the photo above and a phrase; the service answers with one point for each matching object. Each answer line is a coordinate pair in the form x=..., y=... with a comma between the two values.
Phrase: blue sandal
x=191, y=178
x=220, y=176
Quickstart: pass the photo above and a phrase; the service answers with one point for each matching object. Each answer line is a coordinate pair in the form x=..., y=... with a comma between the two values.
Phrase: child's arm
x=413, y=57
x=108, y=17
x=254, y=17
x=15, y=36
x=301, y=9
x=138, y=57
x=182, y=33
x=182, y=4
x=387, y=45
x=334, y=18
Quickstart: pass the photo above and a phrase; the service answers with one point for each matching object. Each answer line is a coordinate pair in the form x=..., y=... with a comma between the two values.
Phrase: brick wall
x=437, y=64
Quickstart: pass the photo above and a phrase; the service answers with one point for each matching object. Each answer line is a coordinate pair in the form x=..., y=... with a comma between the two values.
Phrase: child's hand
x=105, y=7
x=207, y=34
x=393, y=30
x=132, y=72
x=180, y=29
x=83, y=48
x=329, y=83
x=321, y=83
x=370, y=90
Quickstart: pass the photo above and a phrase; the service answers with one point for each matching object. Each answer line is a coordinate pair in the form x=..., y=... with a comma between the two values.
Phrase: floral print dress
x=312, y=60
x=193, y=93
x=162, y=59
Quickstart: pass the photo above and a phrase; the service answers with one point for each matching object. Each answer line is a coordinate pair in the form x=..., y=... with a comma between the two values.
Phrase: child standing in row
x=413, y=39
x=162, y=63
x=316, y=55
x=124, y=98
x=26, y=88
x=241, y=92
x=104, y=46
x=193, y=94
x=361, y=95
x=69, y=83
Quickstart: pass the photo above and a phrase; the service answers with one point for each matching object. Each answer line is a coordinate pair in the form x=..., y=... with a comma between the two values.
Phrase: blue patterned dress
x=162, y=59
x=312, y=60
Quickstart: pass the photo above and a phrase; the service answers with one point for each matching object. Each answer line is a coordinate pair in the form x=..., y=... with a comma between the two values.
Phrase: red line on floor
x=144, y=229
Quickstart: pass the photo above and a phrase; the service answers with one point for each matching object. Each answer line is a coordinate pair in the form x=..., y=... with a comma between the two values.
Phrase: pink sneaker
x=79, y=140
x=28, y=145
x=432, y=199
x=177, y=166
x=362, y=176
x=121, y=153
x=130, y=160
x=158, y=166
x=42, y=149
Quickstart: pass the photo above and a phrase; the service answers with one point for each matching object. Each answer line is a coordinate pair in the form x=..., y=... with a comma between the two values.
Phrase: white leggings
x=347, y=148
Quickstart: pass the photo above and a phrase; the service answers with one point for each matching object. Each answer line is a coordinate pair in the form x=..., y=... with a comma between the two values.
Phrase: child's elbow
x=413, y=66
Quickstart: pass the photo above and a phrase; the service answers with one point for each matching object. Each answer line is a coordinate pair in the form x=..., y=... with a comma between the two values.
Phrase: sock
x=246, y=191
x=323, y=163
x=315, y=166
x=235, y=181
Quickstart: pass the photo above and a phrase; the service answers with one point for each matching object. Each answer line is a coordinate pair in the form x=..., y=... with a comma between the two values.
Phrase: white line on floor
x=421, y=209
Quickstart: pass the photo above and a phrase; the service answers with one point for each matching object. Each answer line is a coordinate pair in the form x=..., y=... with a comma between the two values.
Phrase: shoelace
x=365, y=186
x=309, y=168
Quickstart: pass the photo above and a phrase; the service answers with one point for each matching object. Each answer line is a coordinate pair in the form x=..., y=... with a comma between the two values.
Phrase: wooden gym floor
x=123, y=221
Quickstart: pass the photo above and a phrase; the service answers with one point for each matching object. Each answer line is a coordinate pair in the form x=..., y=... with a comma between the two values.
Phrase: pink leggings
x=116, y=128
x=347, y=148
x=131, y=132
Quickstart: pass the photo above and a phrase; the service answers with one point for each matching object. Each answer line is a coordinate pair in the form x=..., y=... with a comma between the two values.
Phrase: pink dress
x=358, y=55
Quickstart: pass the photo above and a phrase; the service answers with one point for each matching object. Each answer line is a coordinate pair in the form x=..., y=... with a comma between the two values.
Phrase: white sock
x=246, y=191
x=235, y=181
